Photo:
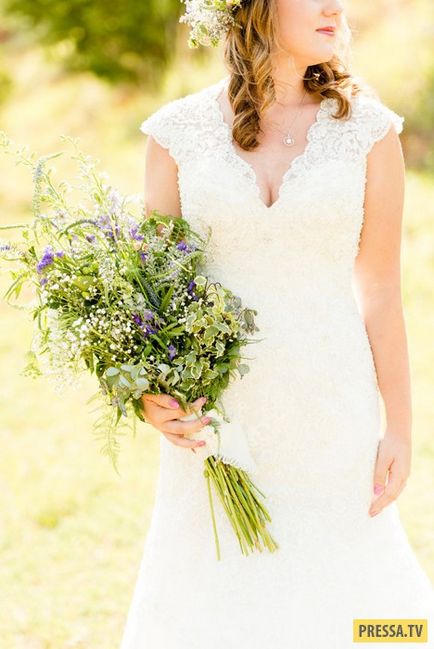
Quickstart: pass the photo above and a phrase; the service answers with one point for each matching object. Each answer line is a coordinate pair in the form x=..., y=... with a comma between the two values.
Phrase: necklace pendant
x=288, y=140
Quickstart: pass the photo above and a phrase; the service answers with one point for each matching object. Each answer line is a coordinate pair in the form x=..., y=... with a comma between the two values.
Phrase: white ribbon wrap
x=231, y=448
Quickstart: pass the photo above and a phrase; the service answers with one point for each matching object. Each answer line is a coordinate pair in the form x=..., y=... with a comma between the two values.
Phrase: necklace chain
x=289, y=139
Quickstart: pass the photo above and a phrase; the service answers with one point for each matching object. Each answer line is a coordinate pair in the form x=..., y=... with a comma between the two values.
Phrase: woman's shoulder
x=374, y=115
x=174, y=124
x=369, y=120
x=180, y=111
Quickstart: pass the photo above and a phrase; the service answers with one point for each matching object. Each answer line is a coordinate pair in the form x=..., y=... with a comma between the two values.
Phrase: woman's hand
x=163, y=412
x=393, y=456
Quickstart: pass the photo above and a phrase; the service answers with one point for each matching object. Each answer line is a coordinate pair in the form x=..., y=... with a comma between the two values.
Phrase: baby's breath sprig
x=209, y=20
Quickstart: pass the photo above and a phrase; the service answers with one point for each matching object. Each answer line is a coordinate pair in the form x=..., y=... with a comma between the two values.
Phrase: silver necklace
x=288, y=139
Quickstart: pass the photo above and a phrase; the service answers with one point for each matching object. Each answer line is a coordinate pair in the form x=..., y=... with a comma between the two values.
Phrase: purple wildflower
x=134, y=235
x=171, y=349
x=150, y=330
x=90, y=237
x=106, y=226
x=143, y=255
x=182, y=245
x=190, y=291
x=140, y=320
x=148, y=314
x=46, y=259
x=137, y=319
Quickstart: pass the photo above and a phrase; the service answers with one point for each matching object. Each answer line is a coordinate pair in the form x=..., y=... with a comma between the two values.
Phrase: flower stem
x=246, y=513
x=207, y=476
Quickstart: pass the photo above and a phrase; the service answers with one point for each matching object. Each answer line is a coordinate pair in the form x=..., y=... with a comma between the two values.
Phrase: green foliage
x=117, y=41
x=120, y=296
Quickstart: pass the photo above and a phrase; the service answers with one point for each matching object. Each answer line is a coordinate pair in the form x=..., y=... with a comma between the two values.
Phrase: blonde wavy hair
x=247, y=50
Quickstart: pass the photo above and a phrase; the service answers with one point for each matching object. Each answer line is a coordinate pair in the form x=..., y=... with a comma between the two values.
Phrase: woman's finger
x=177, y=413
x=183, y=441
x=391, y=492
x=196, y=405
x=158, y=413
x=178, y=427
x=382, y=466
x=162, y=400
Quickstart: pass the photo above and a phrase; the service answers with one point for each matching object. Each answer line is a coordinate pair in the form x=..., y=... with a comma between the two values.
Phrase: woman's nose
x=334, y=7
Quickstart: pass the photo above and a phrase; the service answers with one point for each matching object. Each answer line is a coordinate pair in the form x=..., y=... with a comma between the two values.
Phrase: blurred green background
x=72, y=531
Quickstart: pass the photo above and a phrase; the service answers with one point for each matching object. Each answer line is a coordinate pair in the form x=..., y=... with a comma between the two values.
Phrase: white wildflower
x=209, y=20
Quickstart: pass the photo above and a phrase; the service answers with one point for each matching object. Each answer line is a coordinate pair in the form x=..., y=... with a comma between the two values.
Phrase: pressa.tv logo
x=390, y=630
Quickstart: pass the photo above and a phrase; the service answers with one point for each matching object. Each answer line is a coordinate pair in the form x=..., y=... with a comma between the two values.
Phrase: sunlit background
x=72, y=530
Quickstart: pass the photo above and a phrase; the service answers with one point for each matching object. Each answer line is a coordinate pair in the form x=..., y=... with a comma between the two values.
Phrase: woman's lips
x=327, y=32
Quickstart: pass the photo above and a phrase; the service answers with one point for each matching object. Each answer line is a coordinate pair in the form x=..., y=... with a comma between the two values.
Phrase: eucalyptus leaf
x=123, y=381
x=142, y=383
x=200, y=280
x=243, y=368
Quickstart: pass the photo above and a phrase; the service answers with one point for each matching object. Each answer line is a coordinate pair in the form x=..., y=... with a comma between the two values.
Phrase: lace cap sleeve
x=163, y=125
x=375, y=119
x=174, y=127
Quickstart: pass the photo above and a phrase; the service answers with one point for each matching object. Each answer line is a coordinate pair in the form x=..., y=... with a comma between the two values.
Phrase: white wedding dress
x=309, y=408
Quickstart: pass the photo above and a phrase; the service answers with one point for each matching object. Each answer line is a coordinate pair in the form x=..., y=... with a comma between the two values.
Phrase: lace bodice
x=195, y=132
x=318, y=214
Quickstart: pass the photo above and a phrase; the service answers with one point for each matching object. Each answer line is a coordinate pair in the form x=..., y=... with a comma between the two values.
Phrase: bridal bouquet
x=127, y=299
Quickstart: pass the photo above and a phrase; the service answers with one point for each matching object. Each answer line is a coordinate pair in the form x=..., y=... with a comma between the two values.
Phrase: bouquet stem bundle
x=246, y=512
x=127, y=298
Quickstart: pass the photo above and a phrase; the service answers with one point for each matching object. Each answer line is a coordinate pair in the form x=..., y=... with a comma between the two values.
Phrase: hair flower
x=209, y=20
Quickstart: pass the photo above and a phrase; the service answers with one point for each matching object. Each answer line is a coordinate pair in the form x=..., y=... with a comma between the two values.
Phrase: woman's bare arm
x=161, y=180
x=378, y=278
x=378, y=287
x=162, y=194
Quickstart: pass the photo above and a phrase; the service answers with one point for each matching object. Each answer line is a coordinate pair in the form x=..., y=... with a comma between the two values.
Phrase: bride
x=298, y=170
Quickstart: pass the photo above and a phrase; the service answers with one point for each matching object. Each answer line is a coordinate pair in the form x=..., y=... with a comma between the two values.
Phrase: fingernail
x=374, y=512
x=378, y=489
x=206, y=420
x=201, y=443
x=203, y=400
x=174, y=403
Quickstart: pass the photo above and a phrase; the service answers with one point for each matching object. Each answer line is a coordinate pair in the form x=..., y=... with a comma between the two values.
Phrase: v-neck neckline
x=296, y=161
